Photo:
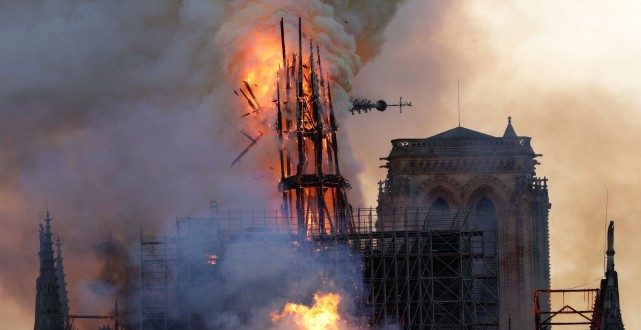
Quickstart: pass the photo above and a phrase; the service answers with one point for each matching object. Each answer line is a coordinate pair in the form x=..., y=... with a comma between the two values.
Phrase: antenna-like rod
x=605, y=229
x=458, y=100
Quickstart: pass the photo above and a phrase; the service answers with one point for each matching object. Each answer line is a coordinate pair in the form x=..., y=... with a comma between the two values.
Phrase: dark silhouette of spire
x=48, y=315
x=509, y=130
x=607, y=311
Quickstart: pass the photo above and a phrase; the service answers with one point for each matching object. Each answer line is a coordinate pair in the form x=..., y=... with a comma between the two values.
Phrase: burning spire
x=310, y=180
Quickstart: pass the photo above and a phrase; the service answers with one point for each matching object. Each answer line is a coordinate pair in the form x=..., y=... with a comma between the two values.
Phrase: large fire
x=288, y=92
x=262, y=63
x=322, y=315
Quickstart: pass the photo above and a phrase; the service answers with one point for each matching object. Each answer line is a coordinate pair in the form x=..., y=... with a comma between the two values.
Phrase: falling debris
x=236, y=161
x=249, y=89
x=253, y=102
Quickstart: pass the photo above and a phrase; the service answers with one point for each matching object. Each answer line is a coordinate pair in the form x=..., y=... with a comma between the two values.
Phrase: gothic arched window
x=485, y=269
x=486, y=219
x=439, y=213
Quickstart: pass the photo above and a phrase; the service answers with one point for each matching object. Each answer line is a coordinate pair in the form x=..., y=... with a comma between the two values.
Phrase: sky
x=567, y=72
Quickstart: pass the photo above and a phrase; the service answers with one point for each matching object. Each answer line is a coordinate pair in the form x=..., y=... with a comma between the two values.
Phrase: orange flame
x=323, y=315
x=260, y=65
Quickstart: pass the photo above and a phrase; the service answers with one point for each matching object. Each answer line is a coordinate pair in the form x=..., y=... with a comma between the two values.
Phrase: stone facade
x=490, y=180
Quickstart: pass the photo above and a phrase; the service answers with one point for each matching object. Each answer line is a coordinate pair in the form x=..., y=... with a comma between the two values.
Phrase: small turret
x=509, y=130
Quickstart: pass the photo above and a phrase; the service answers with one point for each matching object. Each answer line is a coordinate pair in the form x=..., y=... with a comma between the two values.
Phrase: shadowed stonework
x=488, y=183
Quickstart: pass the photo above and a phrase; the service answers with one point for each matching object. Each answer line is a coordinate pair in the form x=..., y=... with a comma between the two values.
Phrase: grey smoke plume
x=260, y=273
x=120, y=113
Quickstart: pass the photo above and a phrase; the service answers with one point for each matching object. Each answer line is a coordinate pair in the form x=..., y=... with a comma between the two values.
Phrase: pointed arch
x=438, y=187
x=439, y=207
x=490, y=187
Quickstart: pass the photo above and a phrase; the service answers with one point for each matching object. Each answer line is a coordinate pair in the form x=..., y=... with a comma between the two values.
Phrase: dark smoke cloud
x=118, y=115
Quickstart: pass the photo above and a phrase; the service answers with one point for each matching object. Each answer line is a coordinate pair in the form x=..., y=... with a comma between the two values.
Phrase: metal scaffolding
x=577, y=308
x=407, y=267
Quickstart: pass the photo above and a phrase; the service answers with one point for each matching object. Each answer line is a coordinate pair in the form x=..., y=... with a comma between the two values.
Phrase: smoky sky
x=566, y=73
x=120, y=115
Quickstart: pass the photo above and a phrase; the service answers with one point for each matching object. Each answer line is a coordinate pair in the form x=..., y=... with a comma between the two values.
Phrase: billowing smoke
x=121, y=114
x=259, y=273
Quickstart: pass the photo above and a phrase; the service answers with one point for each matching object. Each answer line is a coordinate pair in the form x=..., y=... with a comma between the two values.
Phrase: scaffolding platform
x=406, y=267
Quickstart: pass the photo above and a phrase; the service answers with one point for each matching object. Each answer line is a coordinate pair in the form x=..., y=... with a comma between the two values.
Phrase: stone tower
x=48, y=314
x=487, y=184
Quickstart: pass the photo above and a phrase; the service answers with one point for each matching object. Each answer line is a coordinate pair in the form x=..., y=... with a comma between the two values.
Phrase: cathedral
x=460, y=240
x=486, y=184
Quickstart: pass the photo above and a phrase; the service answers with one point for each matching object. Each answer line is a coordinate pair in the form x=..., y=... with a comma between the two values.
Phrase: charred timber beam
x=313, y=180
x=334, y=126
x=300, y=213
x=95, y=317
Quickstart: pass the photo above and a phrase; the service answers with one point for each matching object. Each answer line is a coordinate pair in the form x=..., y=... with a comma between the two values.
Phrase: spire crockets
x=48, y=315
x=509, y=130
x=62, y=284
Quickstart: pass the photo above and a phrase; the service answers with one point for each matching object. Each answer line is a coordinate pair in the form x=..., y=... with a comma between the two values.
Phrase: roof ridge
x=461, y=132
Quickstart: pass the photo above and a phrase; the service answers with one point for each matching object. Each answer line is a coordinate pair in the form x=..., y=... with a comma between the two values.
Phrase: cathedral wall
x=507, y=181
